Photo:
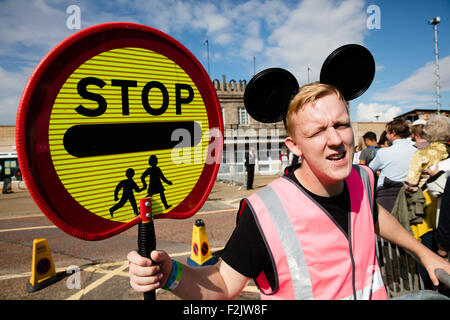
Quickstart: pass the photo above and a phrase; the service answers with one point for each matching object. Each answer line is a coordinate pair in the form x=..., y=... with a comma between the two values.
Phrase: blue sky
x=293, y=35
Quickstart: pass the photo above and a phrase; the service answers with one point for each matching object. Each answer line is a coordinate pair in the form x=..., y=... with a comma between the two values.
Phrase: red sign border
x=33, y=118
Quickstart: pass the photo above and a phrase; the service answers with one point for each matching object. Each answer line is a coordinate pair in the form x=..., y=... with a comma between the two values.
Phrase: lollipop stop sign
x=117, y=113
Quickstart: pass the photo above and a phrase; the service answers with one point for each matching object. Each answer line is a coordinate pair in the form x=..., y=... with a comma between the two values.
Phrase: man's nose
x=333, y=137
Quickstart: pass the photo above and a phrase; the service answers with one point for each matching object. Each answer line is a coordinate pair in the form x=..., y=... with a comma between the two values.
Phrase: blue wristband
x=174, y=277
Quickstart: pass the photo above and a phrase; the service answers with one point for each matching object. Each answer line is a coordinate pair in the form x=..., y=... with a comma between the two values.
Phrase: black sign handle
x=146, y=237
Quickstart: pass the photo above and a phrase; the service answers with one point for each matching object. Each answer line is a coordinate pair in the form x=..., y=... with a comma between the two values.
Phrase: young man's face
x=323, y=137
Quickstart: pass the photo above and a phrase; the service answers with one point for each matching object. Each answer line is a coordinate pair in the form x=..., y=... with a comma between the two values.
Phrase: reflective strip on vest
x=375, y=285
x=300, y=280
x=367, y=180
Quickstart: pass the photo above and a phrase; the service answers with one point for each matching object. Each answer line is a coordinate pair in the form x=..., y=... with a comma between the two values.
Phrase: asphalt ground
x=103, y=266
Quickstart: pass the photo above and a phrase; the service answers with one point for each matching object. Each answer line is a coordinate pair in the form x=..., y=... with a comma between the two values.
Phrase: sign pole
x=146, y=236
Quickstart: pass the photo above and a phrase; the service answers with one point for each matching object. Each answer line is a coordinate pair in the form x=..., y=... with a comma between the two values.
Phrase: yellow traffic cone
x=43, y=269
x=200, y=250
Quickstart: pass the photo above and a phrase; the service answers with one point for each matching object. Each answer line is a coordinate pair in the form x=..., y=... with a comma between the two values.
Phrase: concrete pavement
x=102, y=264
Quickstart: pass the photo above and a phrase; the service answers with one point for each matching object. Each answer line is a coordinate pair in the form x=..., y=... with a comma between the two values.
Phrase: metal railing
x=232, y=173
x=236, y=174
x=401, y=273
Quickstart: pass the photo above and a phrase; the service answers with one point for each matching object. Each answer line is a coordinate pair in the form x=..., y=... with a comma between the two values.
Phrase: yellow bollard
x=43, y=269
x=200, y=250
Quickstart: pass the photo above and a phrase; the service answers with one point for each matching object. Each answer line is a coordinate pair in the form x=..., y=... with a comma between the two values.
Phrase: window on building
x=242, y=116
x=263, y=153
x=239, y=152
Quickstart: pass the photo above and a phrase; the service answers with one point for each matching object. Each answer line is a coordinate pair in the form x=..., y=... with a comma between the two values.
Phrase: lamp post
x=435, y=22
x=207, y=55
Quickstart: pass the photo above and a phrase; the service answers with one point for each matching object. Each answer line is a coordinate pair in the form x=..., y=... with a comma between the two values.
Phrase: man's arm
x=363, y=157
x=390, y=229
x=375, y=164
x=217, y=282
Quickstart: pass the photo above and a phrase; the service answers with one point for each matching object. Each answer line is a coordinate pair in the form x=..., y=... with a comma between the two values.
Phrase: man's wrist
x=174, y=277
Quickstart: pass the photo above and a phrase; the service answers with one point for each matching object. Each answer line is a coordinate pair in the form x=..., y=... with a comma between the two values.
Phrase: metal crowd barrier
x=401, y=274
x=232, y=173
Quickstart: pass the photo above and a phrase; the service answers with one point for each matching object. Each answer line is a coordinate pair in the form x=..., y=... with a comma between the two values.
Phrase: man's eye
x=317, y=133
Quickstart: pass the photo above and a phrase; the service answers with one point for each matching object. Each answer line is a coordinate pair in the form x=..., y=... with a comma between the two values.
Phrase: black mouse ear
x=268, y=94
x=350, y=68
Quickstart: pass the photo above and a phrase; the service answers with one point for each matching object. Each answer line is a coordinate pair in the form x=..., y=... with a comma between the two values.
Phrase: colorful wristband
x=174, y=277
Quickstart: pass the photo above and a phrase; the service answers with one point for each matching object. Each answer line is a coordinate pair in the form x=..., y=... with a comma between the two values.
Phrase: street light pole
x=207, y=55
x=435, y=22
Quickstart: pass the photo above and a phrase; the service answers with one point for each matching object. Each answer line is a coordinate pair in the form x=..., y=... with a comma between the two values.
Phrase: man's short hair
x=399, y=127
x=417, y=130
x=310, y=93
x=383, y=139
x=369, y=135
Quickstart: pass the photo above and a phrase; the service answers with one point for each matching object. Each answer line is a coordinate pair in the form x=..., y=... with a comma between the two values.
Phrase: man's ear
x=290, y=143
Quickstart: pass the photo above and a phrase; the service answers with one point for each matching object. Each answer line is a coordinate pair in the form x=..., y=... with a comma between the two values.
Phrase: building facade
x=424, y=114
x=241, y=133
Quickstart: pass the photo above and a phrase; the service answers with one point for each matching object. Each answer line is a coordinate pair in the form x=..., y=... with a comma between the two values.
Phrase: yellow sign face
x=125, y=125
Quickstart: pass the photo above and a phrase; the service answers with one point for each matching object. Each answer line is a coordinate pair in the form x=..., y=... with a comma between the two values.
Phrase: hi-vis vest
x=311, y=255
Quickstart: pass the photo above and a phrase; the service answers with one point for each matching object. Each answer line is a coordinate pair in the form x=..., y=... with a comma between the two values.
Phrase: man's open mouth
x=337, y=156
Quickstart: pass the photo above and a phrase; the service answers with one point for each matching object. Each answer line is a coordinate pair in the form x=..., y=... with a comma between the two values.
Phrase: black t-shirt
x=246, y=251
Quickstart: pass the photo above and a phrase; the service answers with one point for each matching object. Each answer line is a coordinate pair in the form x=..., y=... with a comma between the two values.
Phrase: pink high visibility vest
x=312, y=257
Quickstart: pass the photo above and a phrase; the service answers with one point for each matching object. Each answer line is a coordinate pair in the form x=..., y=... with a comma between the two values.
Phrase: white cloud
x=312, y=31
x=223, y=39
x=420, y=86
x=253, y=28
x=251, y=46
x=279, y=33
x=375, y=112
x=30, y=25
x=12, y=84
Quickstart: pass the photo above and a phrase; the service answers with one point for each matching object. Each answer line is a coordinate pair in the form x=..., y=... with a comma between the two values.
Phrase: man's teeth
x=336, y=157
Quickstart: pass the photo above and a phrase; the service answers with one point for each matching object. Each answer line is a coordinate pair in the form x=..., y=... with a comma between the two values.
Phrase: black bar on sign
x=107, y=139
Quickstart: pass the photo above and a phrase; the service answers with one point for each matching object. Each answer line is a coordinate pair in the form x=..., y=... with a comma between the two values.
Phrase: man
x=393, y=163
x=250, y=160
x=443, y=230
x=306, y=250
x=417, y=134
x=370, y=140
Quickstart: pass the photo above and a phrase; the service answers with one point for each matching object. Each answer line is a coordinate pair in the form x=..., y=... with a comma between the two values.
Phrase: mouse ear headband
x=349, y=68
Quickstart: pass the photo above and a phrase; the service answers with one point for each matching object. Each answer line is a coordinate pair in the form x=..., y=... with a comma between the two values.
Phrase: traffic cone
x=200, y=250
x=43, y=269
